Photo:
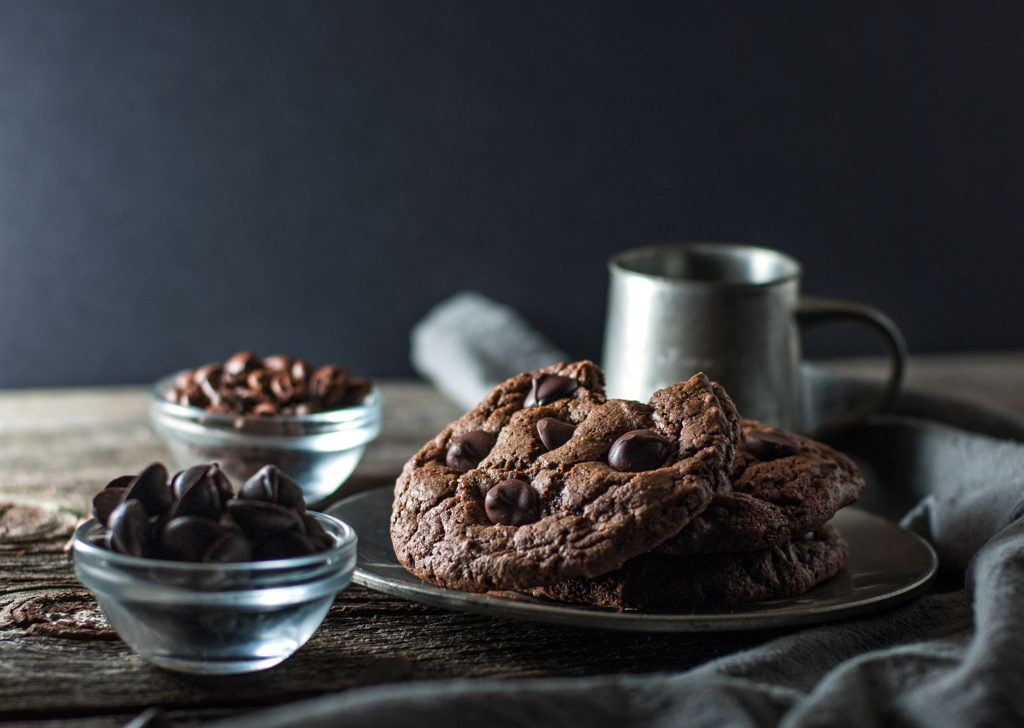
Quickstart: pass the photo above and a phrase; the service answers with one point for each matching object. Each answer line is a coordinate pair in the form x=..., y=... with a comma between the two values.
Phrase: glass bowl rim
x=365, y=410
x=346, y=543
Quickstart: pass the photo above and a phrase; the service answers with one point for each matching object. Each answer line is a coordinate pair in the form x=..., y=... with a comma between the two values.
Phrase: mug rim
x=617, y=263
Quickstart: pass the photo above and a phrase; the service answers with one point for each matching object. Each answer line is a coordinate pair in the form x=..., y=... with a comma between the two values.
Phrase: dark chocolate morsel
x=201, y=499
x=316, y=533
x=220, y=479
x=230, y=546
x=260, y=520
x=765, y=445
x=468, y=449
x=638, y=450
x=106, y=501
x=284, y=545
x=512, y=503
x=150, y=488
x=271, y=485
x=185, y=479
x=546, y=388
x=121, y=481
x=553, y=432
x=186, y=538
x=128, y=530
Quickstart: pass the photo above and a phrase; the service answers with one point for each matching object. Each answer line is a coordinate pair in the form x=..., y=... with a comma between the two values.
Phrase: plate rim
x=532, y=609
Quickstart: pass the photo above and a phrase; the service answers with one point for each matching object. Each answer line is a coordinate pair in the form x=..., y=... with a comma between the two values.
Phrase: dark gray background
x=179, y=180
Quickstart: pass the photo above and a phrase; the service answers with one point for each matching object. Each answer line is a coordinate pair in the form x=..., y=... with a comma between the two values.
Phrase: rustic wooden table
x=60, y=663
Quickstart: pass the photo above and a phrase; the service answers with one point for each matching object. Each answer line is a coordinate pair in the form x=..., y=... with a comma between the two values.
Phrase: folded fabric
x=951, y=658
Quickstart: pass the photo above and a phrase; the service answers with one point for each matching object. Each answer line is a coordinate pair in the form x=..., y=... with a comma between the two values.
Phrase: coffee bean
x=250, y=386
x=638, y=450
x=512, y=503
x=151, y=489
x=186, y=538
x=765, y=445
x=128, y=530
x=105, y=502
x=546, y=388
x=553, y=432
x=465, y=451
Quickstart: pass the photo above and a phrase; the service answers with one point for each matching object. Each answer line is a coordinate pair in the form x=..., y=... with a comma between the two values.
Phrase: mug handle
x=812, y=311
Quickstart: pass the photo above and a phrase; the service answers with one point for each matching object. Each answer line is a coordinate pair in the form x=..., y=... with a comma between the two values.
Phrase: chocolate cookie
x=680, y=583
x=547, y=480
x=783, y=485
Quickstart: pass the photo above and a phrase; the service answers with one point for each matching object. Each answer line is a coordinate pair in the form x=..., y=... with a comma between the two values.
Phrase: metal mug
x=735, y=313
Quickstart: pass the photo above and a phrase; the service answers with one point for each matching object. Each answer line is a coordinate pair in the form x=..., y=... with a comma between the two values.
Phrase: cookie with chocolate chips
x=546, y=480
x=783, y=485
x=665, y=582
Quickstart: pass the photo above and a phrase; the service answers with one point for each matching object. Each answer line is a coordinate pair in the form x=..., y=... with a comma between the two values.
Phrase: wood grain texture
x=61, y=666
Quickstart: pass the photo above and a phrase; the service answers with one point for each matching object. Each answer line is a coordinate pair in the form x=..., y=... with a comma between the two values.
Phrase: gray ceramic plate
x=887, y=566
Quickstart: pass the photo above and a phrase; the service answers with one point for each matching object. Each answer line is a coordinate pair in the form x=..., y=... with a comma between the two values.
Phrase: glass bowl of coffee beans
x=198, y=579
x=311, y=422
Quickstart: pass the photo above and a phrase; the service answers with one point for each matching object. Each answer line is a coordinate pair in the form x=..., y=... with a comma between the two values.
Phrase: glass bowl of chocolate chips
x=248, y=411
x=198, y=579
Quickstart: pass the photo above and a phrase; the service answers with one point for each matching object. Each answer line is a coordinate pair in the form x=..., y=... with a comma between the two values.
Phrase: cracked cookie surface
x=783, y=485
x=580, y=517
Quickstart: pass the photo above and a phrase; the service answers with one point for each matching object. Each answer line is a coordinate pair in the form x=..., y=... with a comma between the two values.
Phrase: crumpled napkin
x=950, y=658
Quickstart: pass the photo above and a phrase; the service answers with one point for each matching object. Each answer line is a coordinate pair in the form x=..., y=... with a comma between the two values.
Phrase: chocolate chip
x=270, y=484
x=201, y=499
x=185, y=479
x=128, y=530
x=230, y=546
x=465, y=451
x=553, y=432
x=765, y=445
x=316, y=533
x=285, y=545
x=547, y=388
x=186, y=538
x=121, y=481
x=105, y=502
x=150, y=488
x=260, y=520
x=512, y=503
x=638, y=450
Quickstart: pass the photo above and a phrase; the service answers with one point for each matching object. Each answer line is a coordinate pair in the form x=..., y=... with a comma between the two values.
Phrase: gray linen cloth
x=954, y=657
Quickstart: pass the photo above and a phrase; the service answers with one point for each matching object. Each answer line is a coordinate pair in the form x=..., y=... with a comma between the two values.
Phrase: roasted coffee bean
x=250, y=386
x=151, y=489
x=466, y=450
x=186, y=538
x=230, y=546
x=512, y=503
x=553, y=432
x=546, y=388
x=638, y=450
x=765, y=445
x=260, y=520
x=105, y=502
x=128, y=529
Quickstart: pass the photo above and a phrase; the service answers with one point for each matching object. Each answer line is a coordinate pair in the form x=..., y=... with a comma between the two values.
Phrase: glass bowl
x=319, y=451
x=215, y=618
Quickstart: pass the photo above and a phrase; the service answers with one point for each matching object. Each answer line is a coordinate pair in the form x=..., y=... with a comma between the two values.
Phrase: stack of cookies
x=548, y=487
